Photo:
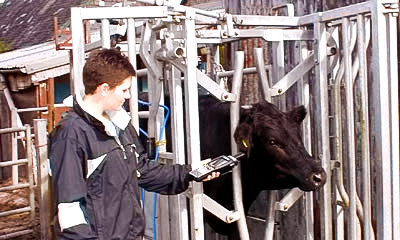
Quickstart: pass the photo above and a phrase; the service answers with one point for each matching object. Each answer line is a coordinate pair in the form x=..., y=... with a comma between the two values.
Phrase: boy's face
x=116, y=96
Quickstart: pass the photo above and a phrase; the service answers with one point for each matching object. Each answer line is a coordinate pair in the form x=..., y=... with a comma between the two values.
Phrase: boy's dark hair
x=106, y=66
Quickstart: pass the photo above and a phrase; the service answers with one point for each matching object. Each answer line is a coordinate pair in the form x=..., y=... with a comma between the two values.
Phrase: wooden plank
x=43, y=178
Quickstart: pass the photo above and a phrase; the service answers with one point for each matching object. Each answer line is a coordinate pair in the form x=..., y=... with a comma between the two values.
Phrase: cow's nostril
x=317, y=179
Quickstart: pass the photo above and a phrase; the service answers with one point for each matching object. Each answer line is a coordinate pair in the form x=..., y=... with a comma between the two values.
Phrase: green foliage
x=4, y=4
x=5, y=45
x=88, y=2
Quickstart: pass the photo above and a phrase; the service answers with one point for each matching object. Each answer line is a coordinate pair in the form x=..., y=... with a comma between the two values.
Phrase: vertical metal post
x=43, y=176
x=192, y=123
x=133, y=105
x=339, y=214
x=366, y=169
x=270, y=219
x=14, y=146
x=323, y=115
x=394, y=118
x=381, y=99
x=105, y=33
x=234, y=114
x=352, y=233
x=271, y=195
x=278, y=67
x=29, y=157
x=303, y=87
x=78, y=56
x=179, y=219
x=262, y=75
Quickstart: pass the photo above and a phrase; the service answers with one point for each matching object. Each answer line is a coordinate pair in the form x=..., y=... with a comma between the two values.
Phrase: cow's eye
x=273, y=142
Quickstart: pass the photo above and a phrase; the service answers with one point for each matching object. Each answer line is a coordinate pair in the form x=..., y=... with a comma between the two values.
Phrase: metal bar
x=179, y=218
x=366, y=169
x=45, y=205
x=214, y=88
x=133, y=106
x=192, y=124
x=278, y=69
x=14, y=146
x=250, y=20
x=326, y=16
x=15, y=211
x=346, y=31
x=236, y=174
x=270, y=220
x=262, y=75
x=123, y=12
x=271, y=195
x=32, y=109
x=304, y=98
x=13, y=187
x=219, y=211
x=288, y=200
x=270, y=34
x=78, y=48
x=30, y=170
x=394, y=119
x=291, y=77
x=105, y=33
x=11, y=163
x=212, y=14
x=380, y=99
x=323, y=116
x=16, y=234
x=12, y=130
x=250, y=70
x=338, y=136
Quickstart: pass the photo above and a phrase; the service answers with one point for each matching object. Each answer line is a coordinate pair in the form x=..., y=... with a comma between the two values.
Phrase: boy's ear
x=103, y=89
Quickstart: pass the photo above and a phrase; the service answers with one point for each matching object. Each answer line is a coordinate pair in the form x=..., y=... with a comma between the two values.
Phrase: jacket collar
x=119, y=118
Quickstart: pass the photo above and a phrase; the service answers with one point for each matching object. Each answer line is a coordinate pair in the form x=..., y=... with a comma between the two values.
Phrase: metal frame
x=165, y=63
x=15, y=185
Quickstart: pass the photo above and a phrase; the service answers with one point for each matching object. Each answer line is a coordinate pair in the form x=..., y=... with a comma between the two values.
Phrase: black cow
x=276, y=157
x=271, y=139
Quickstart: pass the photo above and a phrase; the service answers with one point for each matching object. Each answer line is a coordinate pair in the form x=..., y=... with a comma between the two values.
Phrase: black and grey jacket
x=97, y=172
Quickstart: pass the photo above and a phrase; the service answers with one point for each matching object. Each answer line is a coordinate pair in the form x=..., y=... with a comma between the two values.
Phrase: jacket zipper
x=121, y=146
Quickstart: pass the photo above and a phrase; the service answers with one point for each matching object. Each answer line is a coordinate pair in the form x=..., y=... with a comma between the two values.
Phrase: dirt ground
x=11, y=224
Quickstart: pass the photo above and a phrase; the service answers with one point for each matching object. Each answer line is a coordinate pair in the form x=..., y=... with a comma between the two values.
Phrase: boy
x=98, y=163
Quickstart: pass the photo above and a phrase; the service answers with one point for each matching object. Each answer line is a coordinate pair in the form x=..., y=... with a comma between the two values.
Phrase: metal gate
x=346, y=77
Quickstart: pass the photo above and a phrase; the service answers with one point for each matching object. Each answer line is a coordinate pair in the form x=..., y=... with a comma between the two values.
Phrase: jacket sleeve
x=156, y=177
x=66, y=156
x=161, y=178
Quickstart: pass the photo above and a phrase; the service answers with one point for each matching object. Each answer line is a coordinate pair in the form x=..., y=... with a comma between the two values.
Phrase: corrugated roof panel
x=34, y=59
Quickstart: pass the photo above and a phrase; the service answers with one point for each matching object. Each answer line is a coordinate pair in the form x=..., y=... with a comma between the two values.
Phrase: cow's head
x=273, y=142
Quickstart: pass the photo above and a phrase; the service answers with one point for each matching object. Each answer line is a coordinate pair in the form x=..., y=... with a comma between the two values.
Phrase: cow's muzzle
x=317, y=179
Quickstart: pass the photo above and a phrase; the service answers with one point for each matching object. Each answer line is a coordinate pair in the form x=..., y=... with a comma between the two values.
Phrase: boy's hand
x=211, y=176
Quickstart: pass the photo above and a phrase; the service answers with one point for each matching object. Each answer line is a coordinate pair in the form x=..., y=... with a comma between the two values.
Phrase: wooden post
x=43, y=177
x=50, y=103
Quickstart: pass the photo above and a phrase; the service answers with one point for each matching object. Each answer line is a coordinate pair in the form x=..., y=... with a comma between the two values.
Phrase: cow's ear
x=298, y=114
x=243, y=138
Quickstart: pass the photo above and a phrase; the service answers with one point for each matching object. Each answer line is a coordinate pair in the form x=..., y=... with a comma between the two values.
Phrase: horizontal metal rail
x=16, y=234
x=250, y=70
x=15, y=162
x=12, y=130
x=15, y=211
x=13, y=187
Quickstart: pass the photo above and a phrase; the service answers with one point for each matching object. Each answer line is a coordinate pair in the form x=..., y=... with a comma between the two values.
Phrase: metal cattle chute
x=331, y=78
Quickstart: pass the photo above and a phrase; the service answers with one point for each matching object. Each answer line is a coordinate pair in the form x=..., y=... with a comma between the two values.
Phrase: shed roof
x=35, y=58
x=25, y=23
